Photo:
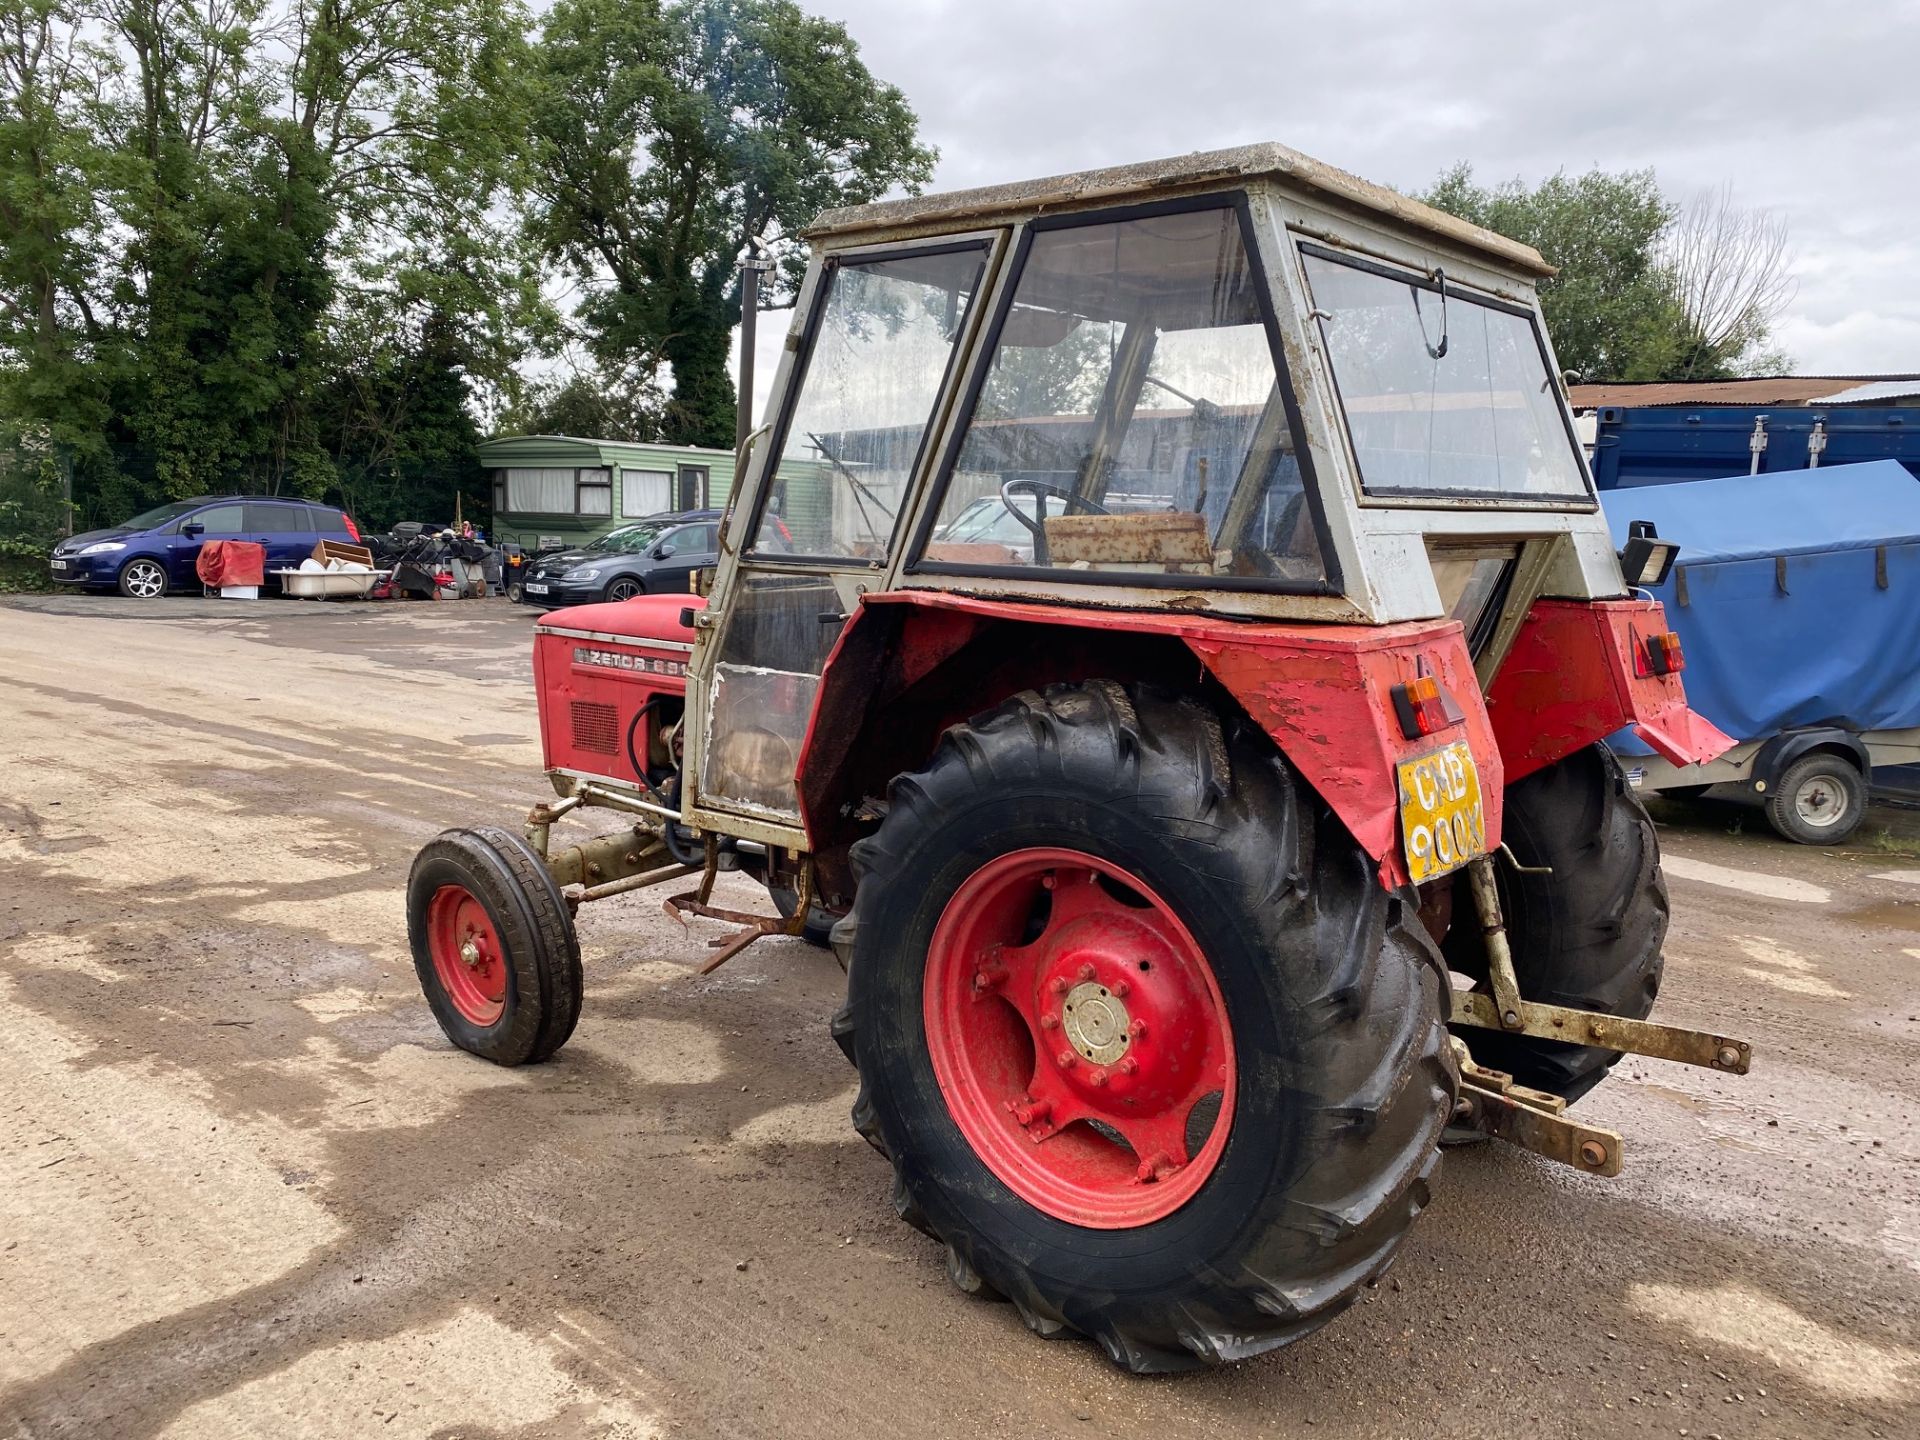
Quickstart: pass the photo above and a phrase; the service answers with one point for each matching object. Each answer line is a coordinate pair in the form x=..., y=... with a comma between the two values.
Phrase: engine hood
x=644, y=617
x=92, y=537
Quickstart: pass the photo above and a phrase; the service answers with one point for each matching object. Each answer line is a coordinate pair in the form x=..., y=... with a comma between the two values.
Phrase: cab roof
x=1153, y=179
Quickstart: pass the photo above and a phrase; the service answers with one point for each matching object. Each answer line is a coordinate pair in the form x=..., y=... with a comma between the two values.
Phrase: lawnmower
x=1206, y=843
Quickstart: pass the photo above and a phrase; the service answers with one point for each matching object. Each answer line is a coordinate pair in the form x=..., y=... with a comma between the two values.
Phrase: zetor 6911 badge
x=1190, y=640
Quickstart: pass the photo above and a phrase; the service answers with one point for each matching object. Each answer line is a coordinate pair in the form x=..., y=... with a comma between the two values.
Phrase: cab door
x=819, y=520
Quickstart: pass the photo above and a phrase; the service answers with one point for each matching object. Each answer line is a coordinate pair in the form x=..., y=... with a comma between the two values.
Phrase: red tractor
x=1165, y=636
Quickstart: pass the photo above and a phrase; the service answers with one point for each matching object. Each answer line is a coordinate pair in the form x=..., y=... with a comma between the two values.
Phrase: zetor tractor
x=1165, y=637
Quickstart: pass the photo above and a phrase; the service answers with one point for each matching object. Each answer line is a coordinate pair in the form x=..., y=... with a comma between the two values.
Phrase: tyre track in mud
x=204, y=833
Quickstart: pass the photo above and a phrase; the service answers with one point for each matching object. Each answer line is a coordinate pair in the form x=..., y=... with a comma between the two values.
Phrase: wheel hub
x=1095, y=1020
x=467, y=954
x=1079, y=1038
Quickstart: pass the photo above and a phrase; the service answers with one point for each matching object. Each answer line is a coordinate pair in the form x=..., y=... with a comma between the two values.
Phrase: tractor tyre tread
x=536, y=930
x=1349, y=991
x=1589, y=934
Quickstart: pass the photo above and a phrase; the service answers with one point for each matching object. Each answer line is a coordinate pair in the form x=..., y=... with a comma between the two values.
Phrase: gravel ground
x=246, y=1188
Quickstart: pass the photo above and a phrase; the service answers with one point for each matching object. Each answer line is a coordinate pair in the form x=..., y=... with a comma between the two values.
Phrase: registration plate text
x=1442, y=822
x=533, y=589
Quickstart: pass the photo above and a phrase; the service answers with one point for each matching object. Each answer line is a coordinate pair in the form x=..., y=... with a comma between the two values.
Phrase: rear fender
x=911, y=663
x=1569, y=680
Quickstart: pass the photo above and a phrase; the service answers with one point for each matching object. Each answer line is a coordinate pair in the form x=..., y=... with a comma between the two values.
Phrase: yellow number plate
x=1441, y=822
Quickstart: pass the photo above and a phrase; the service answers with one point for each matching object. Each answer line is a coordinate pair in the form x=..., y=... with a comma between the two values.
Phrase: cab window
x=1131, y=420
x=1445, y=393
x=882, y=337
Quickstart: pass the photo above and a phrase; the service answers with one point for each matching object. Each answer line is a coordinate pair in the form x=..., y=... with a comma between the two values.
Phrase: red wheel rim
x=1092, y=1114
x=467, y=955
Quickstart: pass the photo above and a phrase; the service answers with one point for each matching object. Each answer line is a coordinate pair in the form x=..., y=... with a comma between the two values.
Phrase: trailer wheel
x=1587, y=935
x=493, y=945
x=1821, y=800
x=1150, y=1049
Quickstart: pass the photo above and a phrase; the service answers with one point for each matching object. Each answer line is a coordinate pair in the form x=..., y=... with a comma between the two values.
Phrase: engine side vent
x=596, y=728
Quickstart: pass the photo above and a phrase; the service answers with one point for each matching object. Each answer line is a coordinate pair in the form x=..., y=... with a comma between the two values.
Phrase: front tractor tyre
x=1152, y=1052
x=494, y=945
x=1585, y=920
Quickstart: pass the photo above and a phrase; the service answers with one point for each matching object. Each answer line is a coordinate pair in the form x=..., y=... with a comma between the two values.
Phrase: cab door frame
x=755, y=470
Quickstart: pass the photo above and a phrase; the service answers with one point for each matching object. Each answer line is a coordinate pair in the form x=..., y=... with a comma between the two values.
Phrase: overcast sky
x=1807, y=109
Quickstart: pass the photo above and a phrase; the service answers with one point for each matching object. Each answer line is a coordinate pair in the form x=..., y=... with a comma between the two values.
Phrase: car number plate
x=533, y=589
x=59, y=564
x=1442, y=824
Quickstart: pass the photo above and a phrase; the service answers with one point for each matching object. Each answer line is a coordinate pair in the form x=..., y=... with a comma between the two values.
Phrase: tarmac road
x=246, y=1188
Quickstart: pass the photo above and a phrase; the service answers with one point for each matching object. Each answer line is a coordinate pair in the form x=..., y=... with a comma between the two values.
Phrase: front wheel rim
x=623, y=590
x=468, y=958
x=1079, y=1038
x=143, y=579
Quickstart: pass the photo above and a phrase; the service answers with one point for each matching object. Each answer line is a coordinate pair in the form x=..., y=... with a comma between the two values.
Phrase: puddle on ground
x=1894, y=914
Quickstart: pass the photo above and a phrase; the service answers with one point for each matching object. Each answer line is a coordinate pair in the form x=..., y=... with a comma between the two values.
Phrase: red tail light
x=1421, y=708
x=352, y=529
x=1659, y=655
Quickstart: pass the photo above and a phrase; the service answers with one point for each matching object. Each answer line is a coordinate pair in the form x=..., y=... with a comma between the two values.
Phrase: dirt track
x=246, y=1188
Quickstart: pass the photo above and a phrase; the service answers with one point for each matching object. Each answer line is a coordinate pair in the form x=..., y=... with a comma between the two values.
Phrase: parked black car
x=654, y=555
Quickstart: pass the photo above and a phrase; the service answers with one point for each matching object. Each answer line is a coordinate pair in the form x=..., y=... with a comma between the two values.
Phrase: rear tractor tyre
x=1150, y=1049
x=1587, y=935
x=493, y=945
x=1821, y=800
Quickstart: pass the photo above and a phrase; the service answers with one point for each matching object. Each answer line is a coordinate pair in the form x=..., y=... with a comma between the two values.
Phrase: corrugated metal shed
x=1769, y=390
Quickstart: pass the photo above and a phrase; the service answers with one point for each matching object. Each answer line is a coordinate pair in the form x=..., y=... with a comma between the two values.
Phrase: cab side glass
x=883, y=337
x=1444, y=393
x=1131, y=420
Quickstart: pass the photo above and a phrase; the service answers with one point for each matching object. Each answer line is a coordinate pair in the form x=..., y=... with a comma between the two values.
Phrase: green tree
x=1610, y=309
x=1643, y=286
x=668, y=136
x=218, y=217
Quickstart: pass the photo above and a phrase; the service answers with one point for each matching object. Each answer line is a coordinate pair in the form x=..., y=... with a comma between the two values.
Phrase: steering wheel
x=1040, y=489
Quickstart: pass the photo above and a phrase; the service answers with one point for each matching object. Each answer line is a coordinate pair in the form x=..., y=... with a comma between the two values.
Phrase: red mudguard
x=1570, y=680
x=1323, y=692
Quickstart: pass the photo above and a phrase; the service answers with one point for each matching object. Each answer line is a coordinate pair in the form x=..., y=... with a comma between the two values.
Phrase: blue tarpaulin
x=1796, y=595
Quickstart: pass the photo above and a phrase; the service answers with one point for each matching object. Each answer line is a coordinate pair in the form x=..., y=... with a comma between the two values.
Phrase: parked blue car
x=155, y=552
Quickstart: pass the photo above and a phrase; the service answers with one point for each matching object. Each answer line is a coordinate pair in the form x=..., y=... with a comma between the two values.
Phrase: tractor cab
x=1163, y=641
x=1238, y=388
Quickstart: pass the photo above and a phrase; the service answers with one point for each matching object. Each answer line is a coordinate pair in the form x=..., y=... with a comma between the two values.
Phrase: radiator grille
x=596, y=728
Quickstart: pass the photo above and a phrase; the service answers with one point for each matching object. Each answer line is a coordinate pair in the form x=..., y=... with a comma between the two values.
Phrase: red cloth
x=232, y=562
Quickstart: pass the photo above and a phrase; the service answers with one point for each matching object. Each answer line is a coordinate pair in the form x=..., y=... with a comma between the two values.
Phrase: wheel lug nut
x=1086, y=970
x=1047, y=881
x=1049, y=1022
x=1058, y=985
x=1122, y=989
x=1098, y=1077
x=1128, y=1065
x=1066, y=1059
x=1138, y=1029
